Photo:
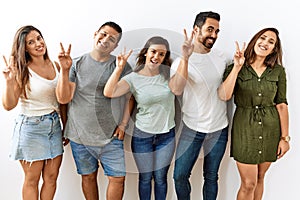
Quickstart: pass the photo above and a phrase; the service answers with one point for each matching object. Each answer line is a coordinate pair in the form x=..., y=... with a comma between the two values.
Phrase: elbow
x=223, y=95
x=224, y=98
x=62, y=100
x=177, y=92
x=107, y=94
x=8, y=107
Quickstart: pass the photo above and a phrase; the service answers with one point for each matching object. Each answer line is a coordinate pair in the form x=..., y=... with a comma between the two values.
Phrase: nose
x=105, y=38
x=214, y=34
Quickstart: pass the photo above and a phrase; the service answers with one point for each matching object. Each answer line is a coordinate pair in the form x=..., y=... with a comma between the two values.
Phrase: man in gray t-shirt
x=96, y=124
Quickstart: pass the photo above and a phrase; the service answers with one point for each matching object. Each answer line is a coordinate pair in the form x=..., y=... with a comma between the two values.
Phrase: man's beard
x=207, y=44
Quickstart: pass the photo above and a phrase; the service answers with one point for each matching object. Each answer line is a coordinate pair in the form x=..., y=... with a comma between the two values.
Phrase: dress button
x=260, y=137
x=256, y=107
x=259, y=123
x=259, y=152
x=258, y=79
x=259, y=94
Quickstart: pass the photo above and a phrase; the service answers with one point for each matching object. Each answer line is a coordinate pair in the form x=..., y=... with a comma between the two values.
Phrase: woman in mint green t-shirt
x=153, y=140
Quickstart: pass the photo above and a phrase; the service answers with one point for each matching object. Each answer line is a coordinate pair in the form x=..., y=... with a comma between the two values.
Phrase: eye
x=113, y=40
x=162, y=54
x=39, y=38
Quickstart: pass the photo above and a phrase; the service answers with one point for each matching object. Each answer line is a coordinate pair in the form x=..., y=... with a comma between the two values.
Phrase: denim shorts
x=37, y=138
x=111, y=157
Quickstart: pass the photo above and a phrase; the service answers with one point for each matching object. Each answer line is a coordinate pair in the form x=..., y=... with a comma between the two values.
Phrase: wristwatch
x=286, y=138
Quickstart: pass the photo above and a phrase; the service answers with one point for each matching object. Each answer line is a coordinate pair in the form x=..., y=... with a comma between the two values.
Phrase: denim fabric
x=37, y=138
x=111, y=157
x=153, y=154
x=188, y=149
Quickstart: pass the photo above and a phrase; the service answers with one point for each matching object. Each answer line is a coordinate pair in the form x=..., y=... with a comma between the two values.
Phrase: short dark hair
x=113, y=25
x=202, y=16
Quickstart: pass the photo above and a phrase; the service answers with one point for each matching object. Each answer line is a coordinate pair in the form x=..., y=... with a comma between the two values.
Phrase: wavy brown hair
x=164, y=68
x=273, y=58
x=22, y=58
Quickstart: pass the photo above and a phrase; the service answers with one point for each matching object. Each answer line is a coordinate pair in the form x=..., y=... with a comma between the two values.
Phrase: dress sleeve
x=227, y=71
x=281, y=88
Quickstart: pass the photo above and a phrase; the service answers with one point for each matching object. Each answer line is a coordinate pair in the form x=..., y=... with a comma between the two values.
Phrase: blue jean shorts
x=37, y=138
x=111, y=157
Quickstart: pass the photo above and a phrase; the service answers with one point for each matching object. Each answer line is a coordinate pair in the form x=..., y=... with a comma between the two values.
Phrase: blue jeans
x=188, y=149
x=153, y=154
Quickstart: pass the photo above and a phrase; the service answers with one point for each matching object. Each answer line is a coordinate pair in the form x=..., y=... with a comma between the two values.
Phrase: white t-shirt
x=202, y=109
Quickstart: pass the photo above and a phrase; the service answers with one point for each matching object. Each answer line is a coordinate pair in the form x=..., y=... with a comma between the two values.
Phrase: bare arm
x=128, y=109
x=283, y=146
x=11, y=91
x=65, y=88
x=225, y=90
x=178, y=80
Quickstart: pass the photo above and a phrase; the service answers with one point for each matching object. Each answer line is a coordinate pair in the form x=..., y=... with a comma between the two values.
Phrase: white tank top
x=41, y=98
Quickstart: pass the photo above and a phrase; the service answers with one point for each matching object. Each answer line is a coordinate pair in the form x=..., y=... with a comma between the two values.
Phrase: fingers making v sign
x=64, y=57
x=10, y=69
x=187, y=46
x=239, y=57
x=122, y=58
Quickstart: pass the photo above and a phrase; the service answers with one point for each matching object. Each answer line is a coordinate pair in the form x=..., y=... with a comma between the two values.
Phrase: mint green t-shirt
x=155, y=102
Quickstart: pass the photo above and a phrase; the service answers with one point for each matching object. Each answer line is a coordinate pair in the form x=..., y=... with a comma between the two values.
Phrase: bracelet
x=123, y=124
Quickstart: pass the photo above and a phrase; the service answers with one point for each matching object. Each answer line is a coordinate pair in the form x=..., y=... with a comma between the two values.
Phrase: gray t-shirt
x=92, y=117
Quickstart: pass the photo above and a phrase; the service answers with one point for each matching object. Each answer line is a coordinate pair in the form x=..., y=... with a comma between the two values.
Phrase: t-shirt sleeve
x=72, y=73
x=227, y=71
x=128, y=78
x=174, y=66
x=127, y=70
x=281, y=88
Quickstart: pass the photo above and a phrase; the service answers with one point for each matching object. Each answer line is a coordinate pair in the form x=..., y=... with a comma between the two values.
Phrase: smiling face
x=155, y=56
x=34, y=44
x=106, y=39
x=208, y=33
x=265, y=44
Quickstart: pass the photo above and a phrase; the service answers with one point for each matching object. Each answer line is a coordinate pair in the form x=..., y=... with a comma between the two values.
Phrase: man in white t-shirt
x=197, y=76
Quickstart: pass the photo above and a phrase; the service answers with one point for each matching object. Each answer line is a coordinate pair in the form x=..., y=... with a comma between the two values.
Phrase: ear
x=196, y=29
x=95, y=34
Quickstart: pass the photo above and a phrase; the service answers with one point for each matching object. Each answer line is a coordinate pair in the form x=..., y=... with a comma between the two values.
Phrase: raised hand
x=187, y=46
x=64, y=57
x=239, y=57
x=10, y=70
x=122, y=58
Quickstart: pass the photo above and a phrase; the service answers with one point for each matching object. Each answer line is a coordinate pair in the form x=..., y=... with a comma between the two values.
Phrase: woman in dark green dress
x=260, y=134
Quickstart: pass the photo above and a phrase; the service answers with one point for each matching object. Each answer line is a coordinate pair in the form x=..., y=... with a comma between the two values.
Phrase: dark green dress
x=256, y=126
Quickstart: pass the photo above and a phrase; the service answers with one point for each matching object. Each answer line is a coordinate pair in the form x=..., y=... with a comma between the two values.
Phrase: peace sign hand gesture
x=187, y=46
x=64, y=57
x=10, y=70
x=122, y=58
x=239, y=57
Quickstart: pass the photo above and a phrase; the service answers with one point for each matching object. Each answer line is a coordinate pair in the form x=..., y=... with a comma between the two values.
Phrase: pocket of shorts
x=32, y=121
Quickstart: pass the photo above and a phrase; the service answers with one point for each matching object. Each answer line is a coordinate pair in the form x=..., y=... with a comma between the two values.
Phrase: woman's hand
x=283, y=147
x=64, y=57
x=122, y=58
x=10, y=70
x=239, y=57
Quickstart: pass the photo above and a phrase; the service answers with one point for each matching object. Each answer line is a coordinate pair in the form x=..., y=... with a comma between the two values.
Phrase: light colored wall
x=75, y=22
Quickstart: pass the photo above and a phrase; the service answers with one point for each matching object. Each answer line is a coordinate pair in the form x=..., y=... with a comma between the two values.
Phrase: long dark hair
x=164, y=68
x=22, y=57
x=273, y=58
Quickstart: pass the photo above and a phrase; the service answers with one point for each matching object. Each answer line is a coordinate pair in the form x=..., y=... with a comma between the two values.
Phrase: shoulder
x=56, y=65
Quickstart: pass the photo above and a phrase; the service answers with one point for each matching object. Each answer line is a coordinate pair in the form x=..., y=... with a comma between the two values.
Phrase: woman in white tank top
x=37, y=142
